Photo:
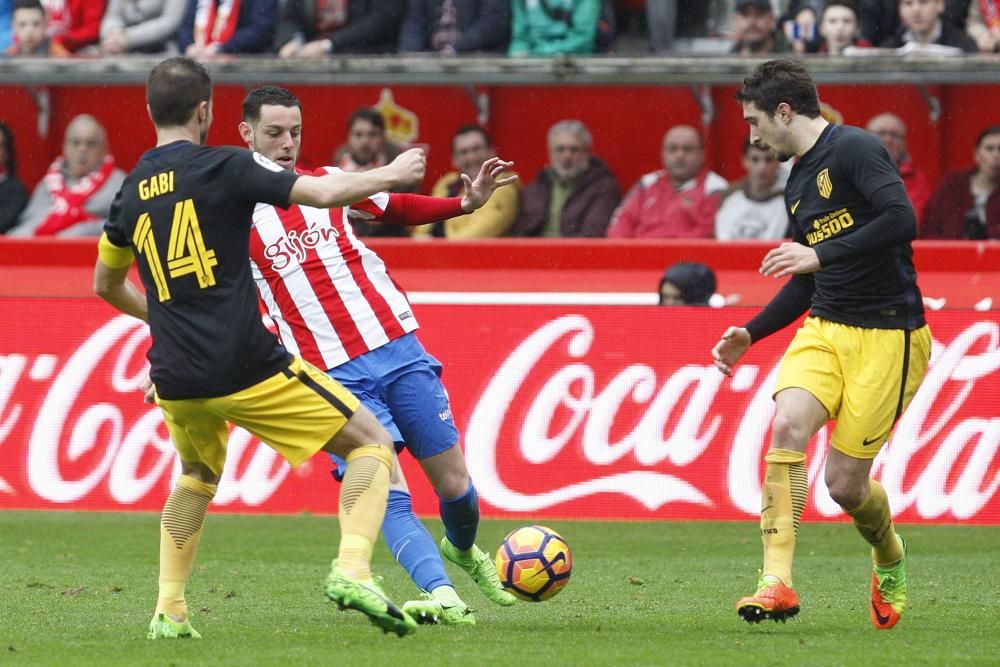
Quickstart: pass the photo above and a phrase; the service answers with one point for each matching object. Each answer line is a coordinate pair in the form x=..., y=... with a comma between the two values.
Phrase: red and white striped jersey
x=329, y=295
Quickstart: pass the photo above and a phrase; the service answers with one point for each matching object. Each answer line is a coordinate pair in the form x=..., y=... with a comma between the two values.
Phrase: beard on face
x=568, y=173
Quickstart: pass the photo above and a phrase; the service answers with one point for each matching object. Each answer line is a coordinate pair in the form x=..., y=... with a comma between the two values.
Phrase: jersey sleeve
x=114, y=227
x=255, y=178
x=865, y=162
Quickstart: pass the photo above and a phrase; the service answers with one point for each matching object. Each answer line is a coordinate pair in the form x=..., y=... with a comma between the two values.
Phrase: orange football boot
x=774, y=601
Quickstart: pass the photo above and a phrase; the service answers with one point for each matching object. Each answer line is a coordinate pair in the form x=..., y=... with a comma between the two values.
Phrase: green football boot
x=478, y=565
x=368, y=597
x=431, y=611
x=163, y=626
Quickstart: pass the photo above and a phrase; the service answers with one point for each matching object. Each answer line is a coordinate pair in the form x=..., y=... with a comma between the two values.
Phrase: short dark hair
x=8, y=139
x=272, y=95
x=847, y=4
x=29, y=4
x=777, y=81
x=988, y=132
x=366, y=114
x=174, y=90
x=470, y=129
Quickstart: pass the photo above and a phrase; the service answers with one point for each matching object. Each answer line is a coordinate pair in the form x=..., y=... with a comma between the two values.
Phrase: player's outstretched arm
x=479, y=191
x=343, y=189
x=730, y=349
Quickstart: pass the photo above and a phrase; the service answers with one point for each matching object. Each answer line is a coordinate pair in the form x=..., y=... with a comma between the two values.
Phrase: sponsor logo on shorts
x=867, y=441
x=445, y=414
x=405, y=315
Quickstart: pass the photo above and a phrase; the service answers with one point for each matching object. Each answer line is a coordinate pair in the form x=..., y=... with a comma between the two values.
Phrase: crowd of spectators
x=322, y=28
x=575, y=195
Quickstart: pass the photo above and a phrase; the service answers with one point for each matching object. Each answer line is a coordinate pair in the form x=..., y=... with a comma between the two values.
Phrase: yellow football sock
x=873, y=520
x=180, y=533
x=362, y=507
x=783, y=498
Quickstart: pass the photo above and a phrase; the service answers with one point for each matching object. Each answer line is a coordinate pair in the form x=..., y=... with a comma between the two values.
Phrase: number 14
x=186, y=252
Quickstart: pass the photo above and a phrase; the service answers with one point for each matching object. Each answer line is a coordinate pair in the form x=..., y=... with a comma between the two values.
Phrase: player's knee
x=199, y=472
x=845, y=492
x=363, y=428
x=787, y=433
x=451, y=483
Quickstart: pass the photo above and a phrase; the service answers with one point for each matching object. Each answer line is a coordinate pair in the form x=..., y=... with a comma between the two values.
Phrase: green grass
x=79, y=589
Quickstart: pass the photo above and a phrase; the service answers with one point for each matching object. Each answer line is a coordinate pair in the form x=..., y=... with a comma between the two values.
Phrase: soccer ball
x=534, y=563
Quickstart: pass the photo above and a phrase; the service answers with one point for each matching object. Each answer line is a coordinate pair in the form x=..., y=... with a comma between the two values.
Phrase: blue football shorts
x=401, y=384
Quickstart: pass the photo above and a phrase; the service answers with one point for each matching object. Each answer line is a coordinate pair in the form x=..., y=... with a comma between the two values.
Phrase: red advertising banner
x=566, y=411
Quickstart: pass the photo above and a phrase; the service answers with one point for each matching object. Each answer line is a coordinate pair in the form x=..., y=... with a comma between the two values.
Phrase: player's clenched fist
x=730, y=349
x=411, y=165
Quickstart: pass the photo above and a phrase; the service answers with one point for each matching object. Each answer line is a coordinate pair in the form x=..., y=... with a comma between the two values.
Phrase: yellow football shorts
x=296, y=412
x=864, y=377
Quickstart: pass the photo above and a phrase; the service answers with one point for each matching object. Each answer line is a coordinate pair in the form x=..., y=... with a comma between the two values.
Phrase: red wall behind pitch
x=627, y=121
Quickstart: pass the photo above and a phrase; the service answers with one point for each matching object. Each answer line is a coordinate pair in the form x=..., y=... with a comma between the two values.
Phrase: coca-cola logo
x=971, y=356
x=131, y=454
x=565, y=419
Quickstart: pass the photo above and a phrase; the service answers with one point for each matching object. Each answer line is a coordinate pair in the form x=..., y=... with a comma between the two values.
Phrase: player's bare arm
x=113, y=285
x=790, y=259
x=343, y=188
x=730, y=349
x=479, y=191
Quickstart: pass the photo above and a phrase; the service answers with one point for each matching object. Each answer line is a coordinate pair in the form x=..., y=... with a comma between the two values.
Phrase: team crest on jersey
x=824, y=184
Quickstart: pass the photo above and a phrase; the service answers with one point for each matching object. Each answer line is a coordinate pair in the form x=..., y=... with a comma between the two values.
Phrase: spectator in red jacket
x=575, y=194
x=678, y=201
x=891, y=129
x=74, y=24
x=967, y=203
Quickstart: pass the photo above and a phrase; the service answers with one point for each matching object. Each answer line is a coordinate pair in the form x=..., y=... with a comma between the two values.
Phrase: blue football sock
x=411, y=544
x=461, y=518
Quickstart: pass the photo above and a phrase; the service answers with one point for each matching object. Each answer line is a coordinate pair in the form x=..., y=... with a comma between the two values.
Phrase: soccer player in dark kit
x=184, y=215
x=862, y=352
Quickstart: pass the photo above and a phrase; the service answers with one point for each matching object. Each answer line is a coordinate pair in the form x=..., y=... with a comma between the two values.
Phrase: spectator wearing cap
x=687, y=284
x=754, y=30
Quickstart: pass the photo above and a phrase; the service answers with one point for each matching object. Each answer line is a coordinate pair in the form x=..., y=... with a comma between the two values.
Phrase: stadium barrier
x=627, y=103
x=569, y=408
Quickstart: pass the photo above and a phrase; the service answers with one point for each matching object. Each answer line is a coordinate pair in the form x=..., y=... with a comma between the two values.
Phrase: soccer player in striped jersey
x=862, y=352
x=334, y=304
x=183, y=215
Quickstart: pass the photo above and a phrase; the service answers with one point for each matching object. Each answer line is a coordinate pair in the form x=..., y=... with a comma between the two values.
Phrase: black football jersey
x=186, y=212
x=866, y=280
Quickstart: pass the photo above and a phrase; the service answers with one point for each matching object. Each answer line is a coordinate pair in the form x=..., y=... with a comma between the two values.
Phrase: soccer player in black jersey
x=184, y=215
x=862, y=352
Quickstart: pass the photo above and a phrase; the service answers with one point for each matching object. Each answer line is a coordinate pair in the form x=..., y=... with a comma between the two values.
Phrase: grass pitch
x=79, y=589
